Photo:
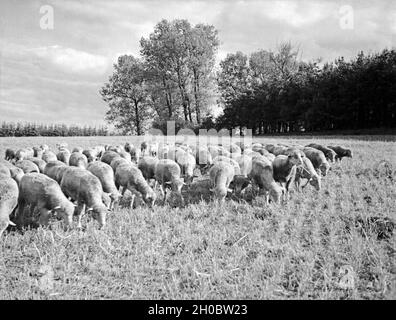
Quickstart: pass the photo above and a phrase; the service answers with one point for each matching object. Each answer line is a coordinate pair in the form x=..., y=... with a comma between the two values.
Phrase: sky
x=52, y=73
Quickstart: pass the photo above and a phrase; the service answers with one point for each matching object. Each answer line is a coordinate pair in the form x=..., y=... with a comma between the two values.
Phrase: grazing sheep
x=204, y=159
x=78, y=160
x=91, y=154
x=125, y=155
x=218, y=151
x=307, y=171
x=129, y=177
x=27, y=166
x=261, y=150
x=167, y=172
x=147, y=166
x=78, y=149
x=284, y=168
x=40, y=163
x=270, y=148
x=9, y=193
x=245, y=164
x=83, y=187
x=44, y=147
x=99, y=151
x=55, y=170
x=341, y=152
x=23, y=154
x=237, y=169
x=118, y=161
x=109, y=156
x=221, y=174
x=106, y=176
x=4, y=171
x=49, y=156
x=144, y=148
x=318, y=160
x=262, y=175
x=16, y=173
x=64, y=156
x=280, y=150
x=330, y=154
x=9, y=154
x=185, y=160
x=116, y=149
x=43, y=193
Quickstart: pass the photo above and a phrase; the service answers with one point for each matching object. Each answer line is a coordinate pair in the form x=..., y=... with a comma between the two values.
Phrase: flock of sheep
x=40, y=182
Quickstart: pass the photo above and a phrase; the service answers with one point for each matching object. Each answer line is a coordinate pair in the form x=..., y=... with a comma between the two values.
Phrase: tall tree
x=126, y=93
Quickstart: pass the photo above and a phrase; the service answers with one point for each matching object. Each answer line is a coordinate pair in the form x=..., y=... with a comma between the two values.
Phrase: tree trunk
x=168, y=98
x=196, y=96
x=137, y=119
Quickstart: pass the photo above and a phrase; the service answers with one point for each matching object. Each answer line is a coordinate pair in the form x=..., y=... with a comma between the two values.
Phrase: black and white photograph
x=209, y=152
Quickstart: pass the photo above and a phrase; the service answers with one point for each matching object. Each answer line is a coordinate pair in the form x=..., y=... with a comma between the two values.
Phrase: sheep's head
x=315, y=182
x=331, y=155
x=239, y=183
x=295, y=157
x=276, y=193
x=348, y=153
x=99, y=213
x=150, y=198
x=324, y=168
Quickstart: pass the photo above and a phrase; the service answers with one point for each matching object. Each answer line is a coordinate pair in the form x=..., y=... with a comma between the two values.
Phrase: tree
x=126, y=93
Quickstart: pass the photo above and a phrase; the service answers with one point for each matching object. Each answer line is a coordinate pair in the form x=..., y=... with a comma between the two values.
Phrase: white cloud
x=71, y=60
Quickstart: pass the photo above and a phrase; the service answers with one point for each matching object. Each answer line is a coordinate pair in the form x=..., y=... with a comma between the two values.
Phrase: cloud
x=71, y=60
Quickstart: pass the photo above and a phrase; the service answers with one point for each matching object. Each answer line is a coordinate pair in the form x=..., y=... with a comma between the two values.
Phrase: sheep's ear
x=56, y=208
x=211, y=190
x=10, y=223
x=229, y=190
x=89, y=209
x=168, y=182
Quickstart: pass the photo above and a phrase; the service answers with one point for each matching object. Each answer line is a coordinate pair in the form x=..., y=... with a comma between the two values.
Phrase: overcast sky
x=54, y=75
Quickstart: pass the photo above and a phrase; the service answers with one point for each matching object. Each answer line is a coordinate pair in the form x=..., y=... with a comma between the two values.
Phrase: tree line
x=274, y=92
x=175, y=78
x=10, y=129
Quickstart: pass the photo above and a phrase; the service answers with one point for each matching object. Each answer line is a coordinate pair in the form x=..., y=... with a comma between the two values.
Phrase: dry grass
x=208, y=250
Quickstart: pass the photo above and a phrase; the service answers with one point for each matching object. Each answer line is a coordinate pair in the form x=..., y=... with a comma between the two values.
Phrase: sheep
x=23, y=154
x=135, y=154
x=117, y=161
x=49, y=156
x=125, y=155
x=77, y=149
x=129, y=177
x=261, y=150
x=341, y=152
x=284, y=168
x=83, y=187
x=109, y=156
x=318, y=160
x=16, y=173
x=221, y=174
x=280, y=150
x=44, y=147
x=64, y=156
x=27, y=166
x=43, y=193
x=204, y=159
x=269, y=147
x=128, y=147
x=237, y=169
x=106, y=176
x=4, y=171
x=55, y=170
x=307, y=171
x=330, y=154
x=99, y=151
x=78, y=160
x=167, y=172
x=116, y=149
x=262, y=175
x=218, y=151
x=40, y=163
x=91, y=154
x=62, y=146
x=147, y=166
x=9, y=154
x=245, y=164
x=9, y=193
x=185, y=160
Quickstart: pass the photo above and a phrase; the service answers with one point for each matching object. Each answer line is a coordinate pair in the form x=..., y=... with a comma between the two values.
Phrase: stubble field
x=331, y=244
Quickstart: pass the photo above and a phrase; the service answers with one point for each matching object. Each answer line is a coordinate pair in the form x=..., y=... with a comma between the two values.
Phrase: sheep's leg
x=266, y=197
x=132, y=200
x=79, y=212
x=124, y=188
x=162, y=191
